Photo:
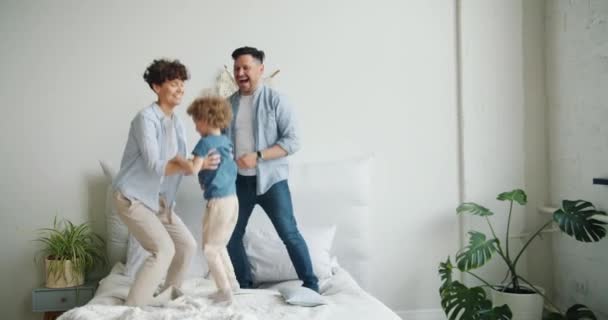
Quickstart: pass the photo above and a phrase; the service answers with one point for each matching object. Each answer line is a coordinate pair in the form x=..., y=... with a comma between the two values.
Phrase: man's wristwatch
x=260, y=155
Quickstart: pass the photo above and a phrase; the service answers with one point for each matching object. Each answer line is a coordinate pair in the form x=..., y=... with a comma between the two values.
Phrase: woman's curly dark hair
x=162, y=70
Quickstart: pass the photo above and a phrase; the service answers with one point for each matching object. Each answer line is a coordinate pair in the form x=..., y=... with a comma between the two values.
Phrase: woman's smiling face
x=170, y=93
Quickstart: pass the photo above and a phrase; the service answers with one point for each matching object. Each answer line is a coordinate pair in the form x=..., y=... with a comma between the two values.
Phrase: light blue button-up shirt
x=145, y=158
x=273, y=123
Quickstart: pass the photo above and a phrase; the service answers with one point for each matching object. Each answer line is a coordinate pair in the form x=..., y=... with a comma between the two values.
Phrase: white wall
x=536, y=169
x=502, y=117
x=577, y=74
x=366, y=77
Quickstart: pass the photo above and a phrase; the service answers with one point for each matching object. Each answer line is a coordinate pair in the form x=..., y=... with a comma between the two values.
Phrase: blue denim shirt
x=274, y=123
x=142, y=168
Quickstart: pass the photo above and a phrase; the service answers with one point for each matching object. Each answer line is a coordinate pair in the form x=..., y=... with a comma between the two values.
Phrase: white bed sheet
x=346, y=300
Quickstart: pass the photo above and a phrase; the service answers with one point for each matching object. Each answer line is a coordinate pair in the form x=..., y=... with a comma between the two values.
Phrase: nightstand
x=54, y=301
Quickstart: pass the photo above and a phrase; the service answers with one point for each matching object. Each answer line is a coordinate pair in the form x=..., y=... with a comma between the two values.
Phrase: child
x=211, y=115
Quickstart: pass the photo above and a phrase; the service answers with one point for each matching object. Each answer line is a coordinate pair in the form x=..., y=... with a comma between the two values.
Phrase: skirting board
x=423, y=314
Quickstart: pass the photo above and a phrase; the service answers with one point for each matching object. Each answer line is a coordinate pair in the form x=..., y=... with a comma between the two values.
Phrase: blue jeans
x=276, y=202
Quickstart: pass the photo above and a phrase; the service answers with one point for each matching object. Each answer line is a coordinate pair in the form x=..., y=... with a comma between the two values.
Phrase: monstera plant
x=574, y=218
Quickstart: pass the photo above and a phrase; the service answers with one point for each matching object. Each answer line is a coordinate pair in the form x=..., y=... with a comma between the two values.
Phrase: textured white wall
x=577, y=74
x=372, y=77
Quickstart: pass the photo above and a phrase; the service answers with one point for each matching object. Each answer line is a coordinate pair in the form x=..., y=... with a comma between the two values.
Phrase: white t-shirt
x=245, y=140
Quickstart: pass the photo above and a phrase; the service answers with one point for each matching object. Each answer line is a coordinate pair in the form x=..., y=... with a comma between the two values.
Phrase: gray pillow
x=302, y=296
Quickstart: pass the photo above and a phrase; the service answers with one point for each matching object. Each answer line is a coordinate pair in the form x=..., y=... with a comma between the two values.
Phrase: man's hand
x=211, y=161
x=248, y=161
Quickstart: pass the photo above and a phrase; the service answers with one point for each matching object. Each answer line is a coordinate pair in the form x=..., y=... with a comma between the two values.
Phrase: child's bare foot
x=222, y=297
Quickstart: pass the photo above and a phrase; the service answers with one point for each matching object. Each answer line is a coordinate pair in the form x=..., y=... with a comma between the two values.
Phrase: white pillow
x=117, y=233
x=270, y=261
x=338, y=193
x=301, y=296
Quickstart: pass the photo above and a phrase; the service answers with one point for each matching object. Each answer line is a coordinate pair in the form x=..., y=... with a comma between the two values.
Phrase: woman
x=151, y=169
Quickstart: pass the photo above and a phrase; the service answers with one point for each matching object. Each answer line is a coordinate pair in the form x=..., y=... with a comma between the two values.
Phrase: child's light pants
x=219, y=221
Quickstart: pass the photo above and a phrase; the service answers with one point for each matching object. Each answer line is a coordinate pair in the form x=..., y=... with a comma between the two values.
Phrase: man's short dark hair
x=254, y=52
x=162, y=70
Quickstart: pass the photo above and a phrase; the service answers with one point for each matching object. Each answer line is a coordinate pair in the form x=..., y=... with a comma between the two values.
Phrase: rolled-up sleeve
x=144, y=132
x=287, y=126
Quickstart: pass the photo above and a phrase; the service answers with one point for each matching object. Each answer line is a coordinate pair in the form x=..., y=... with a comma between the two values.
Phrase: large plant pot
x=524, y=306
x=61, y=274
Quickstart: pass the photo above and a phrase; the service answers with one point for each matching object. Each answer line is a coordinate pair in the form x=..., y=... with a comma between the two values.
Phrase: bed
x=331, y=202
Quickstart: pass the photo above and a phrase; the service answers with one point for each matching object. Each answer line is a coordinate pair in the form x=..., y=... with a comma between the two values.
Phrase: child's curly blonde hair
x=216, y=111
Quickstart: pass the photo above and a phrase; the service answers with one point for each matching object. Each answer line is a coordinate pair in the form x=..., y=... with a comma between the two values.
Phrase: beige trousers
x=219, y=221
x=164, y=235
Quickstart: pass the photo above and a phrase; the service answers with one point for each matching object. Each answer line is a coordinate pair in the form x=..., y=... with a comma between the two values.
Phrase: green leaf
x=497, y=313
x=575, y=218
x=473, y=208
x=477, y=253
x=576, y=312
x=579, y=312
x=460, y=302
x=445, y=271
x=516, y=195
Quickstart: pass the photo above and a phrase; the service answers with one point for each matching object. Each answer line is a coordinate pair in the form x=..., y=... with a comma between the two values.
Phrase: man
x=264, y=134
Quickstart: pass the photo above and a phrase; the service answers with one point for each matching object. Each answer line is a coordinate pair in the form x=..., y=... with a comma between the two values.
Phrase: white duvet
x=346, y=300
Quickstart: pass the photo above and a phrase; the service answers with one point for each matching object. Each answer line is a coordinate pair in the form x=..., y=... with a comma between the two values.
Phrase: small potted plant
x=69, y=251
x=515, y=297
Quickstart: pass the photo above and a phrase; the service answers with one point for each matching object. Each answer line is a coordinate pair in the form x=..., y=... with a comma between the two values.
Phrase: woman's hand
x=211, y=160
x=178, y=165
x=180, y=160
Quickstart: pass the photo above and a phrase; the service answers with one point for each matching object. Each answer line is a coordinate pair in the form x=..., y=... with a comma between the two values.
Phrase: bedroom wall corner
x=504, y=139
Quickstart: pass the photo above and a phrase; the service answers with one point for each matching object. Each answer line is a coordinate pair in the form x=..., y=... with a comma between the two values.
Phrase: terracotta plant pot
x=65, y=275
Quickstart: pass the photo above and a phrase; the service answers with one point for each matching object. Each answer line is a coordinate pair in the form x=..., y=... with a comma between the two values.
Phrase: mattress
x=345, y=300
